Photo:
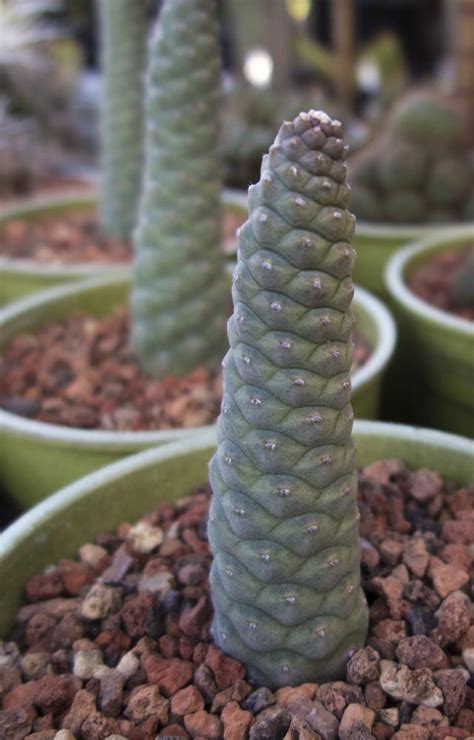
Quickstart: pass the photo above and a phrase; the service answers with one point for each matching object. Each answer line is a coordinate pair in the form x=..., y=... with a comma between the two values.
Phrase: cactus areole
x=283, y=524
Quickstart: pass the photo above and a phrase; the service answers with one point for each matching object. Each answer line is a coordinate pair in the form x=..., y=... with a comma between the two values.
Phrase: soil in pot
x=433, y=280
x=117, y=642
x=81, y=372
x=75, y=236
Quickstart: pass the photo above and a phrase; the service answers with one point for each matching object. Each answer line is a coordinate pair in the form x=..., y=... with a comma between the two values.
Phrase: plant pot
x=37, y=458
x=435, y=360
x=58, y=526
x=21, y=277
x=375, y=243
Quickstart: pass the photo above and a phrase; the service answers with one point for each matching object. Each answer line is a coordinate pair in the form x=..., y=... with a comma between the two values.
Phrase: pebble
x=356, y=719
x=411, y=732
x=86, y=663
x=100, y=601
x=415, y=687
x=390, y=716
x=453, y=617
x=33, y=665
x=259, y=699
x=128, y=665
x=419, y=651
x=146, y=701
x=169, y=675
x=111, y=692
x=238, y=692
x=382, y=470
x=203, y=725
x=93, y=555
x=236, y=721
x=416, y=556
x=145, y=538
x=363, y=667
x=187, y=701
x=271, y=723
x=425, y=484
x=226, y=670
x=453, y=686
x=446, y=578
x=428, y=717
x=82, y=705
x=287, y=694
x=15, y=724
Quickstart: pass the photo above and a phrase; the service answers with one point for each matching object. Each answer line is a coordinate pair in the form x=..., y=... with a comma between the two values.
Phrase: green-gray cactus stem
x=283, y=523
x=179, y=298
x=123, y=42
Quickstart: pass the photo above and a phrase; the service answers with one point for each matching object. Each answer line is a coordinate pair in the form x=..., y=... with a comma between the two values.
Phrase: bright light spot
x=258, y=67
x=298, y=9
x=368, y=76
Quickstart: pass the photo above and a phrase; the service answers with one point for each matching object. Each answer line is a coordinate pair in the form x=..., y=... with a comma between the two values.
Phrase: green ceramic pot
x=37, y=458
x=19, y=278
x=376, y=243
x=435, y=361
x=58, y=526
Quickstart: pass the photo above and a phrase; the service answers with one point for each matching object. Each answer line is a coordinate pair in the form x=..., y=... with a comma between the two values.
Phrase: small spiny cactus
x=283, y=523
x=179, y=297
x=123, y=43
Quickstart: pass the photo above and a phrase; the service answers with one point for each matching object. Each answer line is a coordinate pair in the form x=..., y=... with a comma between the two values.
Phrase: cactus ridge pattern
x=180, y=294
x=283, y=523
x=123, y=44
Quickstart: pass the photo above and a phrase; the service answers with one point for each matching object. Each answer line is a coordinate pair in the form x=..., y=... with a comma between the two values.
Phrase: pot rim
x=395, y=280
x=406, y=231
x=31, y=520
x=63, y=435
x=230, y=196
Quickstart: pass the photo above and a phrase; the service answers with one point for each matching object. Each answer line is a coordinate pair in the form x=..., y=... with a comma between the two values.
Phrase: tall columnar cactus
x=123, y=43
x=179, y=298
x=283, y=523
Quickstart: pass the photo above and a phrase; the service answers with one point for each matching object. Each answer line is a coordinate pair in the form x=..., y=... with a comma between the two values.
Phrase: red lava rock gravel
x=116, y=644
x=75, y=237
x=432, y=280
x=81, y=372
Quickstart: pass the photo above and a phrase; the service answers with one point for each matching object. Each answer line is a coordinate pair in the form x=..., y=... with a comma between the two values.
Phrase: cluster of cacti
x=179, y=297
x=123, y=48
x=283, y=523
x=417, y=171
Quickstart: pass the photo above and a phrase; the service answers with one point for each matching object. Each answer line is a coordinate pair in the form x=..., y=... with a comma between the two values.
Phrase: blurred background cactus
x=283, y=523
x=179, y=297
x=417, y=171
x=123, y=41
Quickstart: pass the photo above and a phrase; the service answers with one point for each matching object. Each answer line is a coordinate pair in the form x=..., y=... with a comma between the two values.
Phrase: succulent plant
x=283, y=523
x=418, y=170
x=123, y=49
x=179, y=297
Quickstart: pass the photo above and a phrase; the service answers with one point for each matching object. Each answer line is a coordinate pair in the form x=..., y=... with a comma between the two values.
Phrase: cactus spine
x=123, y=30
x=283, y=523
x=179, y=298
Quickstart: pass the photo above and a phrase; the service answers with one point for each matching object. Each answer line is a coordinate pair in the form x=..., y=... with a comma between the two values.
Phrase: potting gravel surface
x=117, y=642
x=81, y=372
x=432, y=280
x=75, y=236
